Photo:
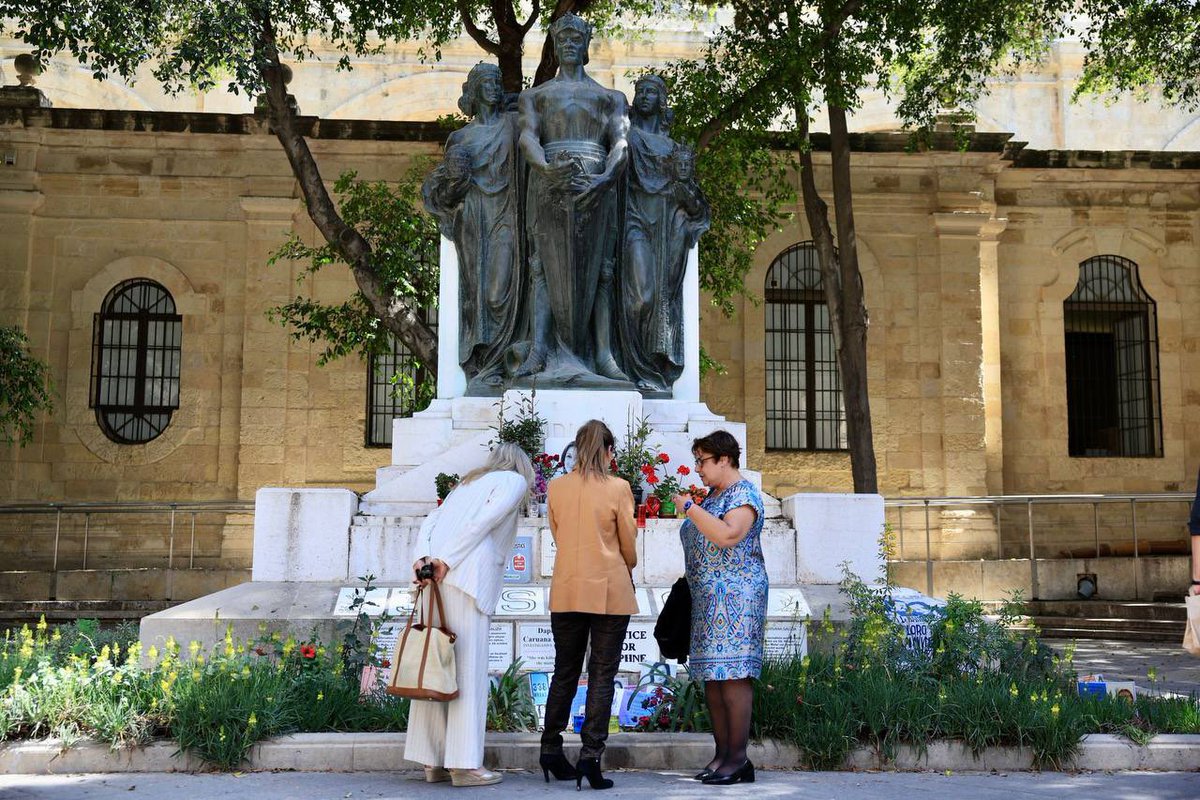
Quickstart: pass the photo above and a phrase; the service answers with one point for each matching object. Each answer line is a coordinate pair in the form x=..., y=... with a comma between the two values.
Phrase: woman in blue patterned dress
x=728, y=580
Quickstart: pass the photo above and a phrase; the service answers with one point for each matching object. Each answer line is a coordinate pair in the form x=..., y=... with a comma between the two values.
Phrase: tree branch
x=398, y=315
x=732, y=111
x=481, y=39
x=533, y=15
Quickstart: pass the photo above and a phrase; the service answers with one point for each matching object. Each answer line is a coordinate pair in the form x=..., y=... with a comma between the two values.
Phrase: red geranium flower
x=651, y=479
x=612, y=465
x=683, y=470
x=308, y=651
x=385, y=663
x=663, y=458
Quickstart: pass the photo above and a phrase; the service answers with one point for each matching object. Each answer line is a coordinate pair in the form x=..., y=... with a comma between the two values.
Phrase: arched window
x=1111, y=330
x=136, y=341
x=804, y=390
x=396, y=387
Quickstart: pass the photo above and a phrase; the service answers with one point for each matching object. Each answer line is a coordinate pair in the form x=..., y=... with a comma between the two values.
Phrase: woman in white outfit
x=466, y=540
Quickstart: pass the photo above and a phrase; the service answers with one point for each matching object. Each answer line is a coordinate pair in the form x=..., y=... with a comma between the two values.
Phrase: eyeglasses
x=700, y=461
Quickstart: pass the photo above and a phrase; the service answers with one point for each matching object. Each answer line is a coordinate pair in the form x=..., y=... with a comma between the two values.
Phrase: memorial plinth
x=568, y=267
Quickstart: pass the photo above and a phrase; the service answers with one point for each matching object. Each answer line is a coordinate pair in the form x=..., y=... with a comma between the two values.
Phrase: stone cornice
x=381, y=130
x=968, y=225
x=1014, y=153
x=1105, y=159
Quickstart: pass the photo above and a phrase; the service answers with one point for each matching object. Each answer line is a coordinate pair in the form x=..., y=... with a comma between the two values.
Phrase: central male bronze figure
x=573, y=138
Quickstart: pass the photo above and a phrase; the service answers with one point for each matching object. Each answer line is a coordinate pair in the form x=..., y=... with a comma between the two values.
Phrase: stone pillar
x=961, y=362
x=262, y=423
x=970, y=377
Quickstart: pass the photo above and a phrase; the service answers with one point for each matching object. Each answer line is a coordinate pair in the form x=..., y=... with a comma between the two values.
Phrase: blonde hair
x=505, y=457
x=592, y=442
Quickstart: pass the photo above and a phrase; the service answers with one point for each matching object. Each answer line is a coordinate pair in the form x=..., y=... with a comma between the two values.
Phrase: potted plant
x=444, y=483
x=526, y=430
x=545, y=467
x=668, y=486
x=632, y=454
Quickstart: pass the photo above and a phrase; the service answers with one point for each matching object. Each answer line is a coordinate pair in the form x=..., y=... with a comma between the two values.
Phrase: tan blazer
x=593, y=525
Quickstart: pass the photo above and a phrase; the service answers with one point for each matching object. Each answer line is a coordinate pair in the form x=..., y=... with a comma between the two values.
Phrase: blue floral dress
x=729, y=592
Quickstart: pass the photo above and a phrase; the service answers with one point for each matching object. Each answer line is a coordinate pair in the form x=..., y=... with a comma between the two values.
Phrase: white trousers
x=450, y=734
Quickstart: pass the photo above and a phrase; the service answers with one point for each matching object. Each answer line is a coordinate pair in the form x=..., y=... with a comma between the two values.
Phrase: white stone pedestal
x=453, y=434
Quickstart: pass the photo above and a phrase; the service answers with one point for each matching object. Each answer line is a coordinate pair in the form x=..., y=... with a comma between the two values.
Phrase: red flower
x=385, y=663
x=308, y=651
x=683, y=470
x=663, y=458
x=651, y=479
x=259, y=651
x=612, y=465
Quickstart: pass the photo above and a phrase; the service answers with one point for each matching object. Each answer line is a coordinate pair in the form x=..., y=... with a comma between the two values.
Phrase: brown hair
x=591, y=449
x=717, y=444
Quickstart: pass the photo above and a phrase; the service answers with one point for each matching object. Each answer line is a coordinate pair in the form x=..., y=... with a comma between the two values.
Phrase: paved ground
x=1175, y=671
x=659, y=785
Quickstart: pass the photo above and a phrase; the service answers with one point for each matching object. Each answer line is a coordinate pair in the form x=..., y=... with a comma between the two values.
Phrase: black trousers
x=572, y=631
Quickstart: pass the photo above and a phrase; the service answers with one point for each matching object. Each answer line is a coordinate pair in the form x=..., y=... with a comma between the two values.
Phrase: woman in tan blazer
x=591, y=597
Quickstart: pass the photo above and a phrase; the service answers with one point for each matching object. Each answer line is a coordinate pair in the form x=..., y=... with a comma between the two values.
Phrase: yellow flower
x=41, y=626
x=246, y=672
x=222, y=733
x=320, y=696
x=193, y=648
x=252, y=721
x=152, y=653
x=1012, y=690
x=1054, y=710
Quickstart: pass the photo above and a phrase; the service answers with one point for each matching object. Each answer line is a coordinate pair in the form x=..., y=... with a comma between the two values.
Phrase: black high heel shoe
x=590, y=768
x=743, y=774
x=556, y=764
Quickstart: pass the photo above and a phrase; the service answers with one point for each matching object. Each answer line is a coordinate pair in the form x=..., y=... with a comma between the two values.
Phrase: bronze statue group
x=572, y=219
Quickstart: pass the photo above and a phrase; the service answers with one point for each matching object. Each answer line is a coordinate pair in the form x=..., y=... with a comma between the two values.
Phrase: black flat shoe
x=556, y=764
x=702, y=774
x=590, y=768
x=743, y=774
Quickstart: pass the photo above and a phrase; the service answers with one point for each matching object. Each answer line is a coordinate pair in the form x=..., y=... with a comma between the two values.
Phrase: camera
x=425, y=572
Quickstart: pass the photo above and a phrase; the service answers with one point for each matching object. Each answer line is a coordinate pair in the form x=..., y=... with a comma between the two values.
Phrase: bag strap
x=407, y=629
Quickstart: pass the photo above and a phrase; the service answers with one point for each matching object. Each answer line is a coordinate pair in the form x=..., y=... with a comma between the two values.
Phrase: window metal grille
x=804, y=390
x=136, y=353
x=396, y=387
x=1111, y=327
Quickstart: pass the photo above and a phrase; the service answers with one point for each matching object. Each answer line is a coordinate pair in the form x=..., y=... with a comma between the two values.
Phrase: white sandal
x=474, y=777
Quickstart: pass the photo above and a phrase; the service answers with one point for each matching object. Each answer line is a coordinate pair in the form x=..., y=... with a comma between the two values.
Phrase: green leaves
x=1141, y=45
x=403, y=241
x=25, y=388
x=201, y=43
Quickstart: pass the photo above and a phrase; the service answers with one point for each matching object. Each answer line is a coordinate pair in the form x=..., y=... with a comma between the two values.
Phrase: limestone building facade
x=982, y=268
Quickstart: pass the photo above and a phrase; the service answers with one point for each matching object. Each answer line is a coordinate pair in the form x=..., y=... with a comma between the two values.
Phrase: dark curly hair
x=717, y=444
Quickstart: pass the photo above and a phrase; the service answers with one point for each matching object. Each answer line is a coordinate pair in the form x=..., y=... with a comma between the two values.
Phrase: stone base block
x=836, y=528
x=302, y=534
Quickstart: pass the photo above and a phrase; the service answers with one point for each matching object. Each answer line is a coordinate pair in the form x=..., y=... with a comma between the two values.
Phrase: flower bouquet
x=665, y=488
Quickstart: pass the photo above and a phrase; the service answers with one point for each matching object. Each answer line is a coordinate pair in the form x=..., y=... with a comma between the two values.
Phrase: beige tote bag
x=1191, y=634
x=423, y=667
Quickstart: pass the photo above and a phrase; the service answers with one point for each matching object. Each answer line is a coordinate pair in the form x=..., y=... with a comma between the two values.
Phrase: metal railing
x=1032, y=537
x=178, y=517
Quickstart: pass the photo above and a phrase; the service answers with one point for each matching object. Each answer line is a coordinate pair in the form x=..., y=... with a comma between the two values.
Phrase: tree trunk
x=398, y=315
x=852, y=324
x=843, y=296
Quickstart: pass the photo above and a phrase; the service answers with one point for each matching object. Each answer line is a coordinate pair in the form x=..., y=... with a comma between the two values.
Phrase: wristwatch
x=688, y=504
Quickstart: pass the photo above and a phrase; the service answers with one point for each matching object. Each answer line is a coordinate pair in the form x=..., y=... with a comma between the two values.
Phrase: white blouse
x=473, y=532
